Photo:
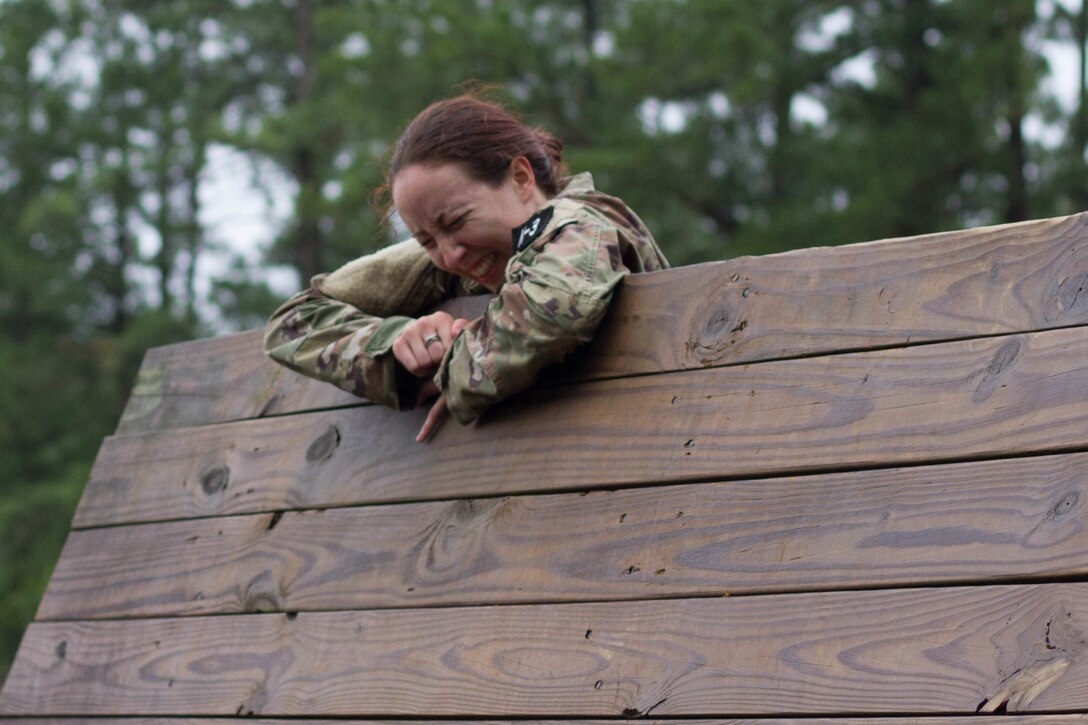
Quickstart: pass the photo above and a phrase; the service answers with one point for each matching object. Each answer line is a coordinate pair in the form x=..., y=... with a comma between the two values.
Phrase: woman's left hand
x=423, y=342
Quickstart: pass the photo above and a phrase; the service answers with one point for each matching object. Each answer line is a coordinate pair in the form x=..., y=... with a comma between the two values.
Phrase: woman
x=485, y=200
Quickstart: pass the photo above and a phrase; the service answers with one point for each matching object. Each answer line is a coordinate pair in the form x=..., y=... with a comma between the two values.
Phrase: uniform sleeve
x=333, y=341
x=341, y=330
x=552, y=302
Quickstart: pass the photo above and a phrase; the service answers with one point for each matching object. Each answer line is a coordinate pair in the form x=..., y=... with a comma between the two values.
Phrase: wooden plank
x=938, y=651
x=229, y=378
x=985, y=281
x=959, y=720
x=981, y=521
x=221, y=378
x=995, y=280
x=991, y=397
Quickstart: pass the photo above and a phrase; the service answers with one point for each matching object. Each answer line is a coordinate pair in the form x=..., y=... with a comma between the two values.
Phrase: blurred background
x=172, y=169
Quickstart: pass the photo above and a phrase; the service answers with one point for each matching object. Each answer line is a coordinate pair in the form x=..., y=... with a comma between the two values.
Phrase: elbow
x=286, y=323
x=275, y=333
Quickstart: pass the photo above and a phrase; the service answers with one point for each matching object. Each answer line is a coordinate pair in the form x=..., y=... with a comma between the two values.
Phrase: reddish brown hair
x=481, y=136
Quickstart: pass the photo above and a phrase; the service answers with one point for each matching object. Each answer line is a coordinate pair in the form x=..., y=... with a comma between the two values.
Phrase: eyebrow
x=441, y=219
x=444, y=221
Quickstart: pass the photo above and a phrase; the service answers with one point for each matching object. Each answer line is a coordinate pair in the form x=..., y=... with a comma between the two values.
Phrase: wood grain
x=994, y=280
x=230, y=378
x=983, y=521
x=979, y=720
x=939, y=651
x=220, y=378
x=960, y=720
x=991, y=397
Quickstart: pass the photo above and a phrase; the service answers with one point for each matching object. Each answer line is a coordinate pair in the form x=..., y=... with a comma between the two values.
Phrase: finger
x=424, y=354
x=444, y=330
x=436, y=350
x=457, y=326
x=435, y=417
x=413, y=356
x=429, y=355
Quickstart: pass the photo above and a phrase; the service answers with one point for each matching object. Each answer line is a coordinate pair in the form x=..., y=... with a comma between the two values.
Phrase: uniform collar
x=577, y=184
x=541, y=222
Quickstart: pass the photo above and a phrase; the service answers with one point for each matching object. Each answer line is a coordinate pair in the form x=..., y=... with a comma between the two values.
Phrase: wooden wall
x=832, y=485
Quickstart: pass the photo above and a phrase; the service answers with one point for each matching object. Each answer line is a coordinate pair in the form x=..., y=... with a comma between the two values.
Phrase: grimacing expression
x=465, y=224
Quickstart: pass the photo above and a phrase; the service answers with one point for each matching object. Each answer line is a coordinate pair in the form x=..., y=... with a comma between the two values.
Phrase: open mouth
x=487, y=271
x=483, y=267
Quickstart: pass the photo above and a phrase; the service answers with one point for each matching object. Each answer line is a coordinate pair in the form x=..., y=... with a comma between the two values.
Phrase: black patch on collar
x=528, y=232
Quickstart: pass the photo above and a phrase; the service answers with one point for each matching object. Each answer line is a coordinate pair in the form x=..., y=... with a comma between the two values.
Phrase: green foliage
x=33, y=527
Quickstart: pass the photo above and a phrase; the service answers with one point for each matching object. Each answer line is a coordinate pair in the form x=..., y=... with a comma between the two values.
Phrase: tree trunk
x=309, y=243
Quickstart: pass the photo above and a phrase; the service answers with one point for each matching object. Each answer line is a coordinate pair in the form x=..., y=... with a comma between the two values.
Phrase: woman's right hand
x=423, y=343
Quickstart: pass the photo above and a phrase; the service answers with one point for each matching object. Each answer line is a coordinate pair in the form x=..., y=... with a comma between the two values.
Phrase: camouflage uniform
x=558, y=284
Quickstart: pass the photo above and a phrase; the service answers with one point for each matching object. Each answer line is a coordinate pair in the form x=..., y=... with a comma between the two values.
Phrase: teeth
x=481, y=269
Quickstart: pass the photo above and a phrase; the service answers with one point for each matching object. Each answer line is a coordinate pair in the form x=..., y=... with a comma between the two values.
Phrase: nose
x=453, y=252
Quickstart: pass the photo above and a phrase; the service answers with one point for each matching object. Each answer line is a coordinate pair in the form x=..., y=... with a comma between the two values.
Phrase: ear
x=521, y=174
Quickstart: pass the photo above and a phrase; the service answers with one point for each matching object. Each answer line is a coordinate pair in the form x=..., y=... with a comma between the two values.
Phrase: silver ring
x=430, y=340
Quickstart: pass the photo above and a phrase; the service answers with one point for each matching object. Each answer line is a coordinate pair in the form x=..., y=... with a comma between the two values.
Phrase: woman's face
x=465, y=225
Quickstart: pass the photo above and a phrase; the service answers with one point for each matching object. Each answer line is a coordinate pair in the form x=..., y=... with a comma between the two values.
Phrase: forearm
x=501, y=354
x=333, y=341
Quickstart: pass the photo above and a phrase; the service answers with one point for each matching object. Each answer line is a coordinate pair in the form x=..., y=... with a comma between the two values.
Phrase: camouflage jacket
x=558, y=284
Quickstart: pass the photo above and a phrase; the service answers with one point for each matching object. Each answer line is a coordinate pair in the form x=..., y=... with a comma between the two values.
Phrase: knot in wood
x=716, y=325
x=1065, y=505
x=263, y=594
x=215, y=479
x=1071, y=293
x=1002, y=361
x=323, y=446
x=454, y=545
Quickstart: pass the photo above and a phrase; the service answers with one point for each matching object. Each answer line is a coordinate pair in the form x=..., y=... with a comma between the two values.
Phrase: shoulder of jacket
x=576, y=211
